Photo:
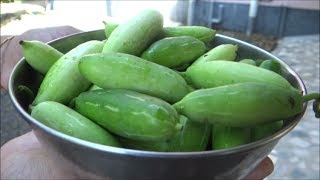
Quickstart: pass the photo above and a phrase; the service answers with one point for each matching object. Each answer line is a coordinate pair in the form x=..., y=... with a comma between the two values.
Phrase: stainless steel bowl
x=120, y=163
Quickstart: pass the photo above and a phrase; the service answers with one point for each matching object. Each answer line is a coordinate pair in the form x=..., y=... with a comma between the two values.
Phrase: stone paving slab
x=297, y=154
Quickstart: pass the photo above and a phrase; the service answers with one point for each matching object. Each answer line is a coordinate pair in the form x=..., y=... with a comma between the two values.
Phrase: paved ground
x=297, y=154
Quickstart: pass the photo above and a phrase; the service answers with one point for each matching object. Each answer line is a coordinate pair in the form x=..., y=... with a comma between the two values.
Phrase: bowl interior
x=23, y=74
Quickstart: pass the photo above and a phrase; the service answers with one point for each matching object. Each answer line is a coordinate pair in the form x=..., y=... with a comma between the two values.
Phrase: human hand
x=263, y=170
x=25, y=158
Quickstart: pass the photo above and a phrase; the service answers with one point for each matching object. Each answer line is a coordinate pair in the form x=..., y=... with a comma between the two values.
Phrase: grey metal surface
x=297, y=154
x=121, y=163
x=275, y=21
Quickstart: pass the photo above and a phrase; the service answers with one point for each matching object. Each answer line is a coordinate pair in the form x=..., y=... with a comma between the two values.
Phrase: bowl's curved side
x=137, y=167
x=120, y=163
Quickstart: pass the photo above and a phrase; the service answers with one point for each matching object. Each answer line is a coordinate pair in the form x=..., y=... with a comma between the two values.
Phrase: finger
x=263, y=170
x=19, y=144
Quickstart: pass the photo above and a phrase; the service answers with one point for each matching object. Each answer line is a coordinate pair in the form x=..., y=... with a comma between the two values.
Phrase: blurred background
x=288, y=29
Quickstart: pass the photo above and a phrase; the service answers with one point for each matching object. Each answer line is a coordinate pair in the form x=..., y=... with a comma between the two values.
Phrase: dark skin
x=25, y=158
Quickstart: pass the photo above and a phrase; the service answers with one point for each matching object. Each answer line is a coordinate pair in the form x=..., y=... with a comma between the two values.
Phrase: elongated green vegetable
x=271, y=65
x=124, y=71
x=224, y=137
x=109, y=28
x=193, y=136
x=219, y=73
x=135, y=35
x=39, y=55
x=25, y=92
x=26, y=95
x=68, y=121
x=129, y=114
x=227, y=52
x=64, y=81
x=202, y=33
x=241, y=105
x=174, y=51
x=264, y=130
x=248, y=61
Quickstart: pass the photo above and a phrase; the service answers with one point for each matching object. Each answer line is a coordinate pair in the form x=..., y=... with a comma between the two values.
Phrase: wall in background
x=276, y=20
x=300, y=4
